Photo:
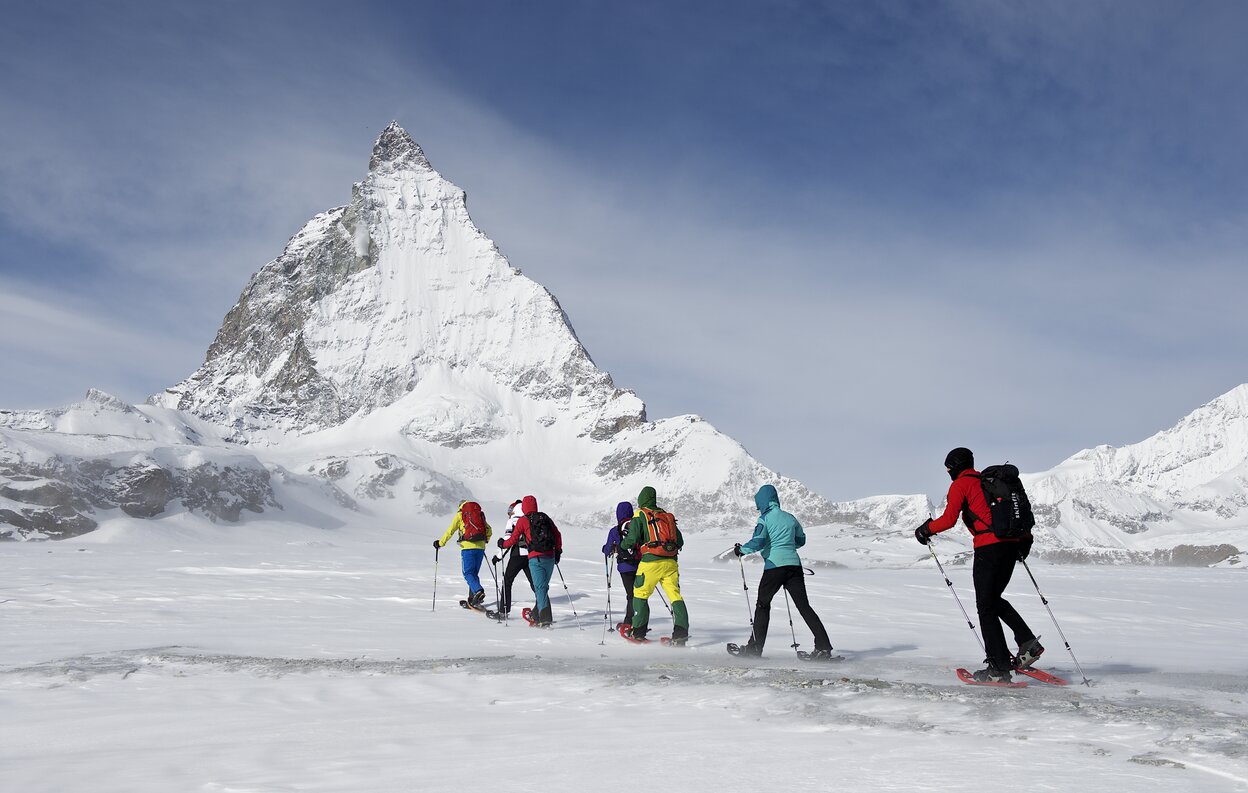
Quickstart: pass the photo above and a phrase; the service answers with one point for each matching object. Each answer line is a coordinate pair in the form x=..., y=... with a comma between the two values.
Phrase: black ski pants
x=994, y=565
x=628, y=579
x=793, y=579
x=516, y=564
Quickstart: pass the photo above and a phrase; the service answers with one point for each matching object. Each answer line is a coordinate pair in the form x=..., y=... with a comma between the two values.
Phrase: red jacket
x=521, y=532
x=965, y=491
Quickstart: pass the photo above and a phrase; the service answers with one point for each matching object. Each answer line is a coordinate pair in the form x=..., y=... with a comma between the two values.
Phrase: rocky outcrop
x=63, y=496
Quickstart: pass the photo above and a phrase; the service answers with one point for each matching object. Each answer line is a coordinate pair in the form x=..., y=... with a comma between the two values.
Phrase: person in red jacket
x=541, y=536
x=994, y=565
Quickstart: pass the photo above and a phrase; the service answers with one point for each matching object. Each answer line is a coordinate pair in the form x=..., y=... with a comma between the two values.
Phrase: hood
x=647, y=498
x=623, y=512
x=765, y=497
x=528, y=504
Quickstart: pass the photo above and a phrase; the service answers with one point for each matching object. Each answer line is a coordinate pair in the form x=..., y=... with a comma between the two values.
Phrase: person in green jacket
x=778, y=535
x=653, y=532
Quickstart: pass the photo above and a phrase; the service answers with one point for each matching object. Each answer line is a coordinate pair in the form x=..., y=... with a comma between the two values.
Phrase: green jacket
x=636, y=530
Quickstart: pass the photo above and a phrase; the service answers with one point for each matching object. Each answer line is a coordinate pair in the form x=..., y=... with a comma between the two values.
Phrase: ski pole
x=792, y=631
x=969, y=624
x=507, y=557
x=749, y=612
x=497, y=592
x=568, y=592
x=606, y=561
x=1045, y=601
x=669, y=608
x=435, y=578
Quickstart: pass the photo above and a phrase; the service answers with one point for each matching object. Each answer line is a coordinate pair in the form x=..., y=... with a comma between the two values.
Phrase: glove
x=924, y=532
x=1024, y=547
x=558, y=556
x=500, y=542
x=494, y=560
x=437, y=544
x=736, y=549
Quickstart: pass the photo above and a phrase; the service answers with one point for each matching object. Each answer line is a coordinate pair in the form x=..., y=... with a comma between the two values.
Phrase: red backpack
x=474, y=522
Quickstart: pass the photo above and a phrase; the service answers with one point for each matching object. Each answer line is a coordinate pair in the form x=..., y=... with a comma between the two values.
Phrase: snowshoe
x=819, y=656
x=744, y=650
x=627, y=632
x=988, y=679
x=1043, y=677
x=674, y=641
x=468, y=605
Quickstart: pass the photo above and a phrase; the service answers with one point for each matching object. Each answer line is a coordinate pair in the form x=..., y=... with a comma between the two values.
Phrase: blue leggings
x=471, y=559
x=542, y=568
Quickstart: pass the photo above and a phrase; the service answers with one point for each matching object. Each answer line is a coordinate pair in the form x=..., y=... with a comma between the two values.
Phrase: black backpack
x=1012, y=518
x=541, y=532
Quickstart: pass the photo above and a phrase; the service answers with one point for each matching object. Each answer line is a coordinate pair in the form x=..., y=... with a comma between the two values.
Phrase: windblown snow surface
x=285, y=659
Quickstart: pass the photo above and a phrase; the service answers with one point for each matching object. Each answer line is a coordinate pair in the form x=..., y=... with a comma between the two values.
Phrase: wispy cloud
x=844, y=222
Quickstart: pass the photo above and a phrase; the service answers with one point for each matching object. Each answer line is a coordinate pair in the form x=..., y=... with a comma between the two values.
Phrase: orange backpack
x=474, y=522
x=660, y=533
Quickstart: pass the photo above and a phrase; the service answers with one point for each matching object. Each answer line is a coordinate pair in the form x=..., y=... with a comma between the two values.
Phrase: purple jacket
x=628, y=563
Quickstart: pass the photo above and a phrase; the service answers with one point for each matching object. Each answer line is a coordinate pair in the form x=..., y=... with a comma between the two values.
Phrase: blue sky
x=878, y=230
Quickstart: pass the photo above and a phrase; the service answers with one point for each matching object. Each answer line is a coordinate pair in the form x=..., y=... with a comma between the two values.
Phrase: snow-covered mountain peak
x=373, y=299
x=395, y=150
x=1204, y=445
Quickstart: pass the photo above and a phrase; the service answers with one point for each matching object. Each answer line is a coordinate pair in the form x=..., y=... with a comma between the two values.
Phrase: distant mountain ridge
x=392, y=355
x=390, y=362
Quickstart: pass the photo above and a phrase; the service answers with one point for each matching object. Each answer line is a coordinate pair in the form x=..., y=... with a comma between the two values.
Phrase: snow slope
x=150, y=657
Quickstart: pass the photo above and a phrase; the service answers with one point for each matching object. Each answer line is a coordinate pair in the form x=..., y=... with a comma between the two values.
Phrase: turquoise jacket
x=778, y=534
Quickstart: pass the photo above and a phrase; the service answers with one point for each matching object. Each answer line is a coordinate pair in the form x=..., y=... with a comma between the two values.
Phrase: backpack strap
x=968, y=515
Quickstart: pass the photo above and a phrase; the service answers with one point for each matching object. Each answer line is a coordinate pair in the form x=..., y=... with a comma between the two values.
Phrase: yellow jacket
x=457, y=527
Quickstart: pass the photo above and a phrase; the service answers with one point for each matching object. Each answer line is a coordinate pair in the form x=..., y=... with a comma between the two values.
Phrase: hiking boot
x=751, y=649
x=477, y=598
x=1028, y=652
x=821, y=655
x=678, y=641
x=992, y=674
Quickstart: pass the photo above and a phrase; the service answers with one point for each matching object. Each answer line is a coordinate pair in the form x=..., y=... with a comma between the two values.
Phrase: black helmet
x=959, y=460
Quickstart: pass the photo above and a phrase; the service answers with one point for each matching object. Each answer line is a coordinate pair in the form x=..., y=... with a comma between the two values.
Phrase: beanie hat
x=958, y=460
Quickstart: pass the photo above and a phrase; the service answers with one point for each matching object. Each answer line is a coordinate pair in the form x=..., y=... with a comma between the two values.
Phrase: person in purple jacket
x=625, y=561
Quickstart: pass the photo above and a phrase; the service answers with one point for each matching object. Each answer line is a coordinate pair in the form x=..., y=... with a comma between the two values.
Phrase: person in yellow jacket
x=474, y=532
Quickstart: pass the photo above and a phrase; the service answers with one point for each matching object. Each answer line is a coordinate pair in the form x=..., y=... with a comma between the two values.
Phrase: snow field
x=312, y=661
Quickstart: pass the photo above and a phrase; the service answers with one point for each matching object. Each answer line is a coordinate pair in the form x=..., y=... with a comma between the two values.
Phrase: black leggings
x=628, y=579
x=516, y=564
x=793, y=579
x=994, y=565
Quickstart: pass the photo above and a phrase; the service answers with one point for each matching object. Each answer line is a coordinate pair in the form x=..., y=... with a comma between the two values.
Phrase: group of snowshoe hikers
x=646, y=542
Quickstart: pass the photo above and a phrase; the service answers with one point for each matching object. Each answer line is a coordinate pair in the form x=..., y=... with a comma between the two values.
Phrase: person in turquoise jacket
x=778, y=535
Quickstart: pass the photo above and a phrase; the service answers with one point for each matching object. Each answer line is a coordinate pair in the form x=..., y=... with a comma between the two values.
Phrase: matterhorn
x=388, y=364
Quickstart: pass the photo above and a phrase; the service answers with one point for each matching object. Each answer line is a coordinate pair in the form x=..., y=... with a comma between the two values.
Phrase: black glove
x=558, y=556
x=924, y=532
x=1024, y=547
x=736, y=549
x=500, y=542
x=437, y=544
x=494, y=560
